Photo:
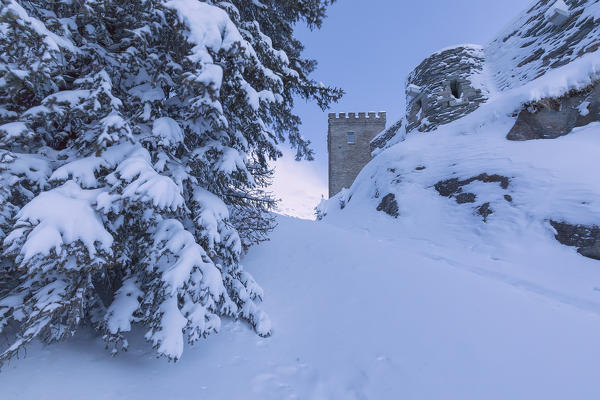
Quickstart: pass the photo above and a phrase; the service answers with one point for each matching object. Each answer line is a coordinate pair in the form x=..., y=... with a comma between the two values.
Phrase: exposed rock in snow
x=463, y=198
x=454, y=186
x=389, y=205
x=550, y=118
x=585, y=238
x=485, y=211
x=384, y=138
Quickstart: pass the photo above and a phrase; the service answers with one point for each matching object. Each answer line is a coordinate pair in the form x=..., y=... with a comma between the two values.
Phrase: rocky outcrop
x=536, y=43
x=381, y=140
x=585, y=237
x=454, y=82
x=442, y=88
x=553, y=117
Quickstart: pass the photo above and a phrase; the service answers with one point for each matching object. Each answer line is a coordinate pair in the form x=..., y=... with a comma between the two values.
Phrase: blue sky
x=368, y=47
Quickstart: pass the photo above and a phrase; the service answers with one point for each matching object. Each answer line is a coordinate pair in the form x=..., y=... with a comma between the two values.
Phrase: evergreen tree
x=135, y=140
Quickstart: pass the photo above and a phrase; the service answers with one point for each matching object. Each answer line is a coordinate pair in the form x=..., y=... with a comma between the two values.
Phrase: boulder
x=554, y=117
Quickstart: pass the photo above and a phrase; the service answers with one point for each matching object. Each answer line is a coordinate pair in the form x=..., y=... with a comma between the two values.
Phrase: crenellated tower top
x=371, y=115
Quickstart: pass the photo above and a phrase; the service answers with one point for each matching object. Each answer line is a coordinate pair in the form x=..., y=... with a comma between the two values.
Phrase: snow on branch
x=210, y=27
x=70, y=219
x=142, y=182
x=52, y=40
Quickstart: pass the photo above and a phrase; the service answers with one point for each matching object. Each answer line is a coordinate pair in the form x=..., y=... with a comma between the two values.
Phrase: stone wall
x=346, y=160
x=444, y=88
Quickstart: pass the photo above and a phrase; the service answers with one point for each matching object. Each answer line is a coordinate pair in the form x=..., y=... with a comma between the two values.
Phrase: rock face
x=454, y=82
x=443, y=89
x=551, y=118
x=585, y=237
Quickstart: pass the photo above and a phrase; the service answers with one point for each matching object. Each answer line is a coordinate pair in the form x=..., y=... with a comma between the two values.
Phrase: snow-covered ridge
x=577, y=75
x=467, y=46
x=532, y=45
x=455, y=81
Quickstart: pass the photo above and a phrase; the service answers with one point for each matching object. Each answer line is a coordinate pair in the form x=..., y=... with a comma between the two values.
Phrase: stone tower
x=348, y=144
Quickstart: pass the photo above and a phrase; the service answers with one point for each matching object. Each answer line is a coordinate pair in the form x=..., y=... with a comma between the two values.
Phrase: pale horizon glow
x=298, y=185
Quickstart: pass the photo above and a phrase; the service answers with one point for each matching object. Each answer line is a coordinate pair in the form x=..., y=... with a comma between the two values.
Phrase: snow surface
x=584, y=108
x=210, y=27
x=360, y=313
x=13, y=130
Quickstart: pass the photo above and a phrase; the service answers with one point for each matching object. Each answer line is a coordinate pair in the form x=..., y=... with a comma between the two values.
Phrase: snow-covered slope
x=465, y=188
x=360, y=312
x=532, y=44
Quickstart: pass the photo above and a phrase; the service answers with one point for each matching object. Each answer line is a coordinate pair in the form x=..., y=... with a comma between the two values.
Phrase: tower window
x=351, y=138
x=455, y=89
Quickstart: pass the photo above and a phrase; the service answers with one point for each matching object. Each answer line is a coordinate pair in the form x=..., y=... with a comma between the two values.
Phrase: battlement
x=370, y=116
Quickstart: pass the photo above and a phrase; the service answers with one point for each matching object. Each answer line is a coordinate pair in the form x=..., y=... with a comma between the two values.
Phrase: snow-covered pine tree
x=135, y=137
